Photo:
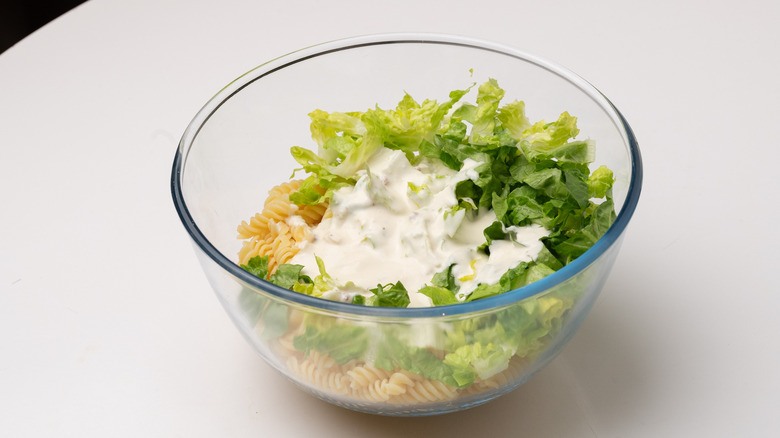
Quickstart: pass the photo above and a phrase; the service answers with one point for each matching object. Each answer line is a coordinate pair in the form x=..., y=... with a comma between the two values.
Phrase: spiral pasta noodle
x=279, y=227
x=427, y=391
x=366, y=383
x=321, y=371
x=277, y=207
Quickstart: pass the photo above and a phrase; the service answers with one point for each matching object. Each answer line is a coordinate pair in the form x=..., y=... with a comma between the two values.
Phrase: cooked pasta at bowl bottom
x=426, y=256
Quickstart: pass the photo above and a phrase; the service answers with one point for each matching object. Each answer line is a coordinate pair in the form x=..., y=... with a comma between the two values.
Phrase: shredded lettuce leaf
x=389, y=295
x=347, y=140
x=342, y=342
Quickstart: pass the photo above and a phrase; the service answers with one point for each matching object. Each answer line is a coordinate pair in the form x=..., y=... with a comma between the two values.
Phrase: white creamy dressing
x=504, y=255
x=396, y=224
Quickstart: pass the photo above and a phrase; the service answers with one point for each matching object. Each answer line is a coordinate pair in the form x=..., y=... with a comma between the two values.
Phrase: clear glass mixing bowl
x=237, y=148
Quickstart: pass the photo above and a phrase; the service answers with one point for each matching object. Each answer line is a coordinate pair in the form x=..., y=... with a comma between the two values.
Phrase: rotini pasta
x=364, y=376
x=321, y=371
x=366, y=383
x=426, y=391
x=277, y=207
x=276, y=231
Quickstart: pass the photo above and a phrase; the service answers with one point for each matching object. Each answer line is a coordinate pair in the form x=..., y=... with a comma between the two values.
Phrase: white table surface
x=109, y=328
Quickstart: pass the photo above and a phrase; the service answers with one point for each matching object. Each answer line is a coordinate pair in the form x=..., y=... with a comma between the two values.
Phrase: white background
x=109, y=328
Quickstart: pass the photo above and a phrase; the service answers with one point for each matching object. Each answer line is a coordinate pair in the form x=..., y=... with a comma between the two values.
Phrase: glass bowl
x=238, y=147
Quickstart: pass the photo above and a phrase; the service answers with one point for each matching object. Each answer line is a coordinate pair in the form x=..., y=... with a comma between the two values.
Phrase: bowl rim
x=610, y=238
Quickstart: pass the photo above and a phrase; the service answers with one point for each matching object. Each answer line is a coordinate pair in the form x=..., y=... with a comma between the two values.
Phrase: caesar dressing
x=397, y=223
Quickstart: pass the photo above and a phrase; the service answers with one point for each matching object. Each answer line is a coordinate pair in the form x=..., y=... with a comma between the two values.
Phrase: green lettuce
x=477, y=359
x=342, y=342
x=390, y=295
x=317, y=286
x=440, y=296
x=394, y=352
x=258, y=307
x=346, y=141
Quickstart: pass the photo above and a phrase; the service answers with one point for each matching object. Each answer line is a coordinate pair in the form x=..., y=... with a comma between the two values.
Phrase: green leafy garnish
x=440, y=296
x=286, y=275
x=393, y=353
x=257, y=266
x=342, y=342
x=390, y=295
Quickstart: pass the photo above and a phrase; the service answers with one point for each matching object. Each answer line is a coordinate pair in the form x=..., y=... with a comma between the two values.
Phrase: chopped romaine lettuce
x=342, y=342
x=389, y=295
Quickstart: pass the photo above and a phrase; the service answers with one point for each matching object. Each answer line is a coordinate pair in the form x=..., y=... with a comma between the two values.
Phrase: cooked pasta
x=313, y=214
x=276, y=231
x=321, y=371
x=426, y=391
x=365, y=376
x=367, y=383
x=277, y=207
